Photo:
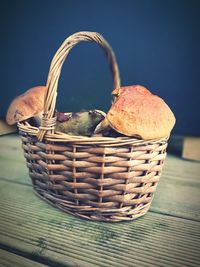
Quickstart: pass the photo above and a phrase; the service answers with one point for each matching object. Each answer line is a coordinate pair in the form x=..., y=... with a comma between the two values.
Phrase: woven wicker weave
x=98, y=178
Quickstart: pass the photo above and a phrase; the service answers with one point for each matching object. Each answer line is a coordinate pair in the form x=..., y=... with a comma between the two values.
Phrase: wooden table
x=33, y=233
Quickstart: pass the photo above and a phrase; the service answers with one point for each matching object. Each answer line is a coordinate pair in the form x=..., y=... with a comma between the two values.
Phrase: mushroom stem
x=102, y=127
x=37, y=119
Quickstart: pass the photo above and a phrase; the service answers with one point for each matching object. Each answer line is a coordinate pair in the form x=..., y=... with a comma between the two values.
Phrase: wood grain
x=8, y=259
x=30, y=225
x=6, y=129
x=191, y=148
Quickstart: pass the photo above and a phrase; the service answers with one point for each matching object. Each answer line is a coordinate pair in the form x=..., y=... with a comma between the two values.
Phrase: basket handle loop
x=48, y=119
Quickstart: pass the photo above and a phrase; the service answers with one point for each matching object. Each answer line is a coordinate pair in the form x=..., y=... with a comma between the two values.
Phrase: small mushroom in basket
x=79, y=123
x=138, y=113
x=29, y=105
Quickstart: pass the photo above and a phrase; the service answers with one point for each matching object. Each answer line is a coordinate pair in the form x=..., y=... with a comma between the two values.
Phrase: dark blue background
x=156, y=42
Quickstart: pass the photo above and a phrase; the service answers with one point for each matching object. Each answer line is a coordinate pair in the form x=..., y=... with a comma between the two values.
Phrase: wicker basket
x=98, y=178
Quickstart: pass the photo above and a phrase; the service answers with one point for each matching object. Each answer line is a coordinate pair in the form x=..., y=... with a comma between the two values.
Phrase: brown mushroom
x=137, y=112
x=29, y=104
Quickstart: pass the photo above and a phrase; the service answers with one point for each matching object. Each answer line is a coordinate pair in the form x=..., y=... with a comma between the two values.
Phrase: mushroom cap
x=27, y=105
x=132, y=89
x=137, y=112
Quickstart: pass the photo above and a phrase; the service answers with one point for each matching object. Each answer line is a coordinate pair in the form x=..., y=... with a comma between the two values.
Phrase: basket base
x=107, y=215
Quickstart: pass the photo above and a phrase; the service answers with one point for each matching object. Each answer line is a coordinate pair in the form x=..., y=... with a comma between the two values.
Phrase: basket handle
x=48, y=120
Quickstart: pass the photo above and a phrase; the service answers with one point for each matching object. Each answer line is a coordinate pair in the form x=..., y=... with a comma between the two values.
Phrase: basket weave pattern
x=98, y=178
x=106, y=183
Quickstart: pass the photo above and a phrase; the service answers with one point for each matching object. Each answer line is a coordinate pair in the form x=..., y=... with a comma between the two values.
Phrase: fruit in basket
x=79, y=123
x=27, y=105
x=137, y=112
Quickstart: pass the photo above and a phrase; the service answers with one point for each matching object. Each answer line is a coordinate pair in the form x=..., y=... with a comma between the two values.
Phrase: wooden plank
x=184, y=167
x=5, y=128
x=11, y=146
x=186, y=146
x=8, y=259
x=12, y=162
x=191, y=148
x=177, y=193
x=30, y=225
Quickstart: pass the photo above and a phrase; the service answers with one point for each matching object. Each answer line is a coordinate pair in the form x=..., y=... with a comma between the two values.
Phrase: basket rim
x=26, y=128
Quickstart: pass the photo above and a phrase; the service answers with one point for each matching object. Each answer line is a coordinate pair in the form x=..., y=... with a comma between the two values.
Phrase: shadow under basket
x=110, y=181
x=98, y=178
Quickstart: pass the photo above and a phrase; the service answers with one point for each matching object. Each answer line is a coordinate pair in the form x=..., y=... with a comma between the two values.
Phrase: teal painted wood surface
x=8, y=259
x=168, y=235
